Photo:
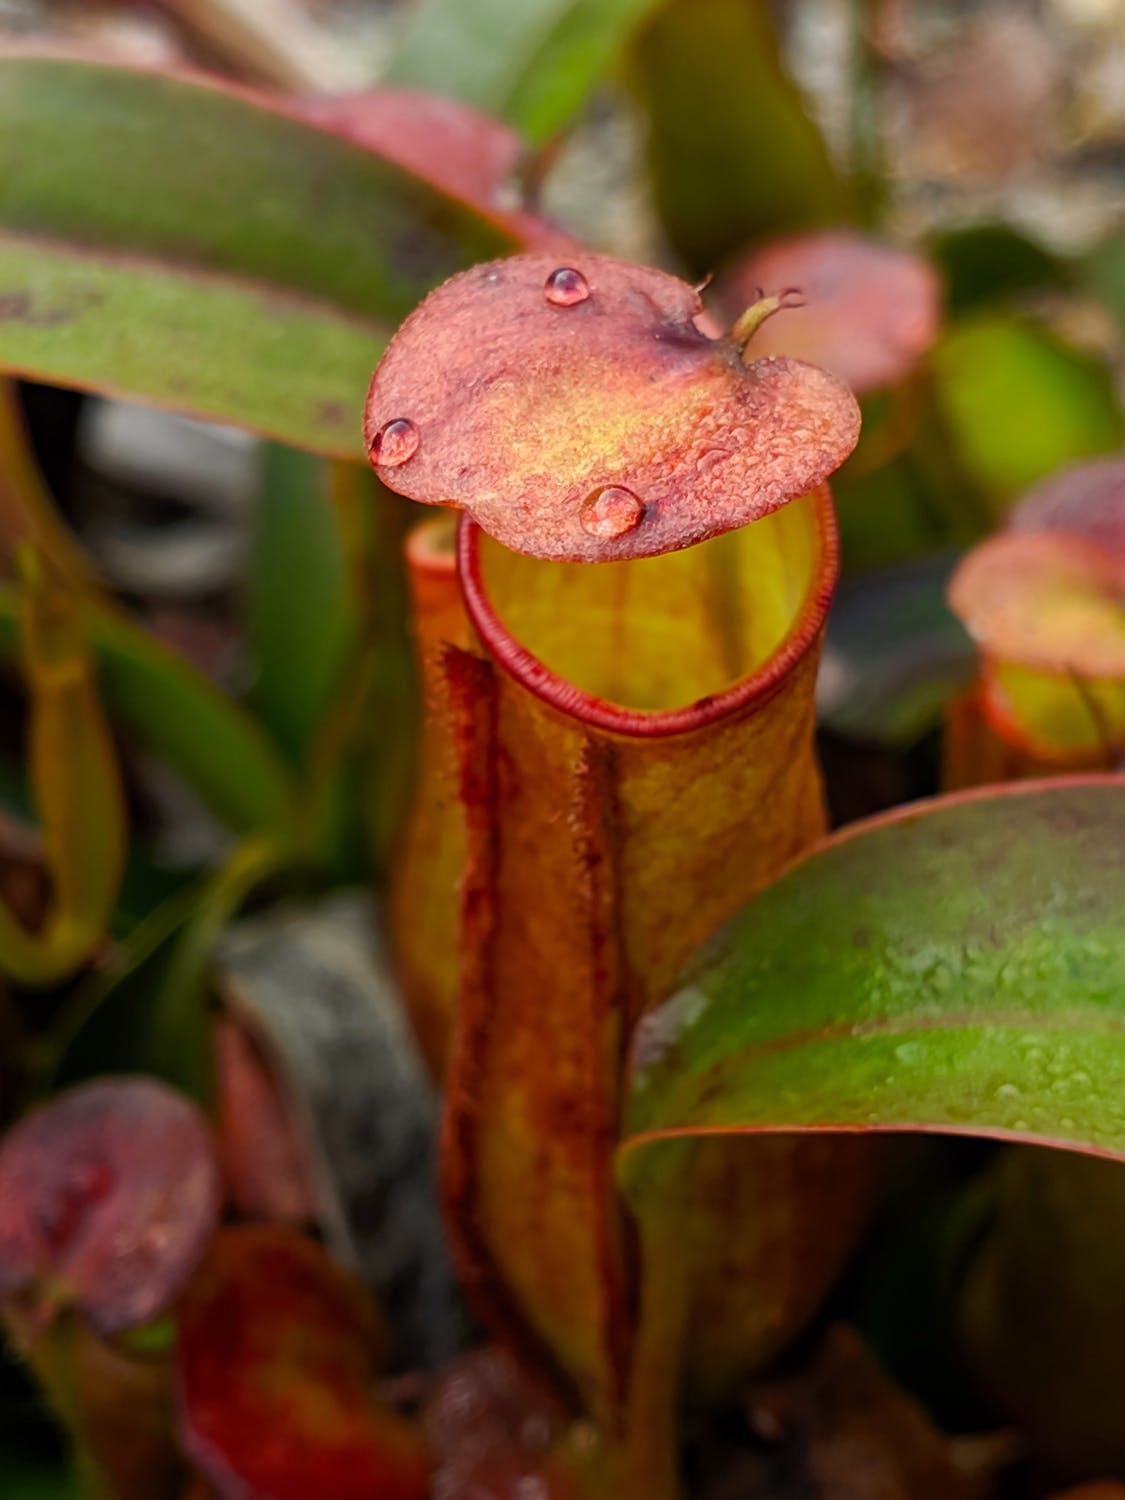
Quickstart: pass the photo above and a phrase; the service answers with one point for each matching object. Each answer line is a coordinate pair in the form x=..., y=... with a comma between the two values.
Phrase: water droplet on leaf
x=395, y=442
x=612, y=512
x=566, y=287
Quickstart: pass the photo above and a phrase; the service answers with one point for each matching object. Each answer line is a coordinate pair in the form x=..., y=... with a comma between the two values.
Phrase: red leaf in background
x=454, y=147
x=1087, y=500
x=278, y=1349
x=109, y=1196
x=870, y=311
x=263, y=1156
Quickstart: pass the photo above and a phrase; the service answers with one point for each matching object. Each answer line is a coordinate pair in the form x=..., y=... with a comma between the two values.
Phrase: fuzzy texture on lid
x=527, y=410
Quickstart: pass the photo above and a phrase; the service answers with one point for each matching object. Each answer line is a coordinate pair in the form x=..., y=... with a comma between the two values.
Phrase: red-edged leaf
x=109, y=1196
x=456, y=148
x=204, y=247
x=277, y=1351
x=958, y=966
x=453, y=145
x=577, y=412
x=870, y=311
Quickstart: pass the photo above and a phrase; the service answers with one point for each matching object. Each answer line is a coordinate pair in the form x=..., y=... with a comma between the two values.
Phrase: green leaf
x=192, y=245
x=300, y=637
x=1018, y=403
x=992, y=262
x=26, y=1478
x=76, y=786
x=734, y=155
x=360, y=762
x=149, y=1012
x=27, y=511
x=958, y=966
x=174, y=712
x=1103, y=270
x=533, y=64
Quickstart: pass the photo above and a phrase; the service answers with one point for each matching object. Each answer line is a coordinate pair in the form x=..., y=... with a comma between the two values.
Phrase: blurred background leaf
x=733, y=153
x=27, y=511
x=985, y=263
x=533, y=64
x=76, y=787
x=302, y=617
x=183, y=719
x=1017, y=402
x=148, y=1010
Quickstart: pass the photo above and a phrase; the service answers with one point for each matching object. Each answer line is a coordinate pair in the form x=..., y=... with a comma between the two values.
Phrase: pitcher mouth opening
x=662, y=645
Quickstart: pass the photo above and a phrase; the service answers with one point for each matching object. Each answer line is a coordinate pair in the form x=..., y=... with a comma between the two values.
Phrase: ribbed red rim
x=747, y=694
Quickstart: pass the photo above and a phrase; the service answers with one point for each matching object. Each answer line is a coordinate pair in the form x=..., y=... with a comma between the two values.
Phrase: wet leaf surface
x=109, y=1196
x=957, y=966
x=585, y=417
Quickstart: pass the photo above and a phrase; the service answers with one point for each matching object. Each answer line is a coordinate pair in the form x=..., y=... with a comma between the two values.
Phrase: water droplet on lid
x=612, y=512
x=395, y=442
x=566, y=287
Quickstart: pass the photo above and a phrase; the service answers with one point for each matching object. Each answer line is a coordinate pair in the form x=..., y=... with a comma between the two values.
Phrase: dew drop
x=566, y=287
x=395, y=442
x=612, y=512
